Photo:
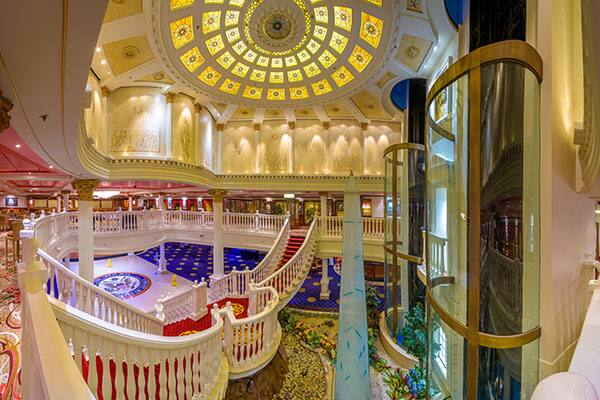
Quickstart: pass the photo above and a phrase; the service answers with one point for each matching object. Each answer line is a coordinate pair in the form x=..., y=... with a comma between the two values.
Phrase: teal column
x=352, y=367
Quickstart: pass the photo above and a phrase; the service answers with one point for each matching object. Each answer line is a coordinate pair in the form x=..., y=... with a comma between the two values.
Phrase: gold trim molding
x=5, y=106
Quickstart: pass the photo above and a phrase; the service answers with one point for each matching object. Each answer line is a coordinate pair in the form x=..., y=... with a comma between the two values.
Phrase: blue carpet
x=195, y=261
x=308, y=295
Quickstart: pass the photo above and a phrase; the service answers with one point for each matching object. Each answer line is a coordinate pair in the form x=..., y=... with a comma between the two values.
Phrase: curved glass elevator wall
x=404, y=202
x=482, y=242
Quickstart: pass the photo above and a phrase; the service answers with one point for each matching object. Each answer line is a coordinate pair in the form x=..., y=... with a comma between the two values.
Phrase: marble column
x=365, y=152
x=159, y=199
x=197, y=153
x=65, y=200
x=85, y=189
x=162, y=260
x=130, y=203
x=291, y=131
x=169, y=125
x=324, y=295
x=323, y=198
x=257, y=148
x=58, y=203
x=102, y=142
x=218, y=263
x=219, y=158
x=326, y=156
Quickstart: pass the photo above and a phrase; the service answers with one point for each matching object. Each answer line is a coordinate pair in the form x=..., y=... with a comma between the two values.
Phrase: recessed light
x=50, y=166
x=98, y=49
x=17, y=146
x=103, y=62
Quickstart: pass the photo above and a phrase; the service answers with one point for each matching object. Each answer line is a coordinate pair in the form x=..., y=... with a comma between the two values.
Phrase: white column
x=365, y=152
x=130, y=203
x=256, y=148
x=58, y=204
x=198, y=155
x=162, y=260
x=326, y=161
x=160, y=202
x=218, y=157
x=68, y=260
x=323, y=197
x=217, y=196
x=102, y=144
x=292, y=127
x=85, y=189
x=324, y=295
x=169, y=125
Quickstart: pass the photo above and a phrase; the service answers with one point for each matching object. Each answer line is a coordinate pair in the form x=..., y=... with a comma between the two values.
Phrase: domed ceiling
x=274, y=53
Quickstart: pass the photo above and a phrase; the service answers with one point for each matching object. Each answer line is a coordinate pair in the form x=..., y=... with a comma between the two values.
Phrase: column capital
x=198, y=107
x=170, y=97
x=256, y=126
x=5, y=106
x=292, y=124
x=220, y=127
x=85, y=188
x=323, y=194
x=65, y=191
x=105, y=91
x=364, y=126
x=325, y=124
x=217, y=194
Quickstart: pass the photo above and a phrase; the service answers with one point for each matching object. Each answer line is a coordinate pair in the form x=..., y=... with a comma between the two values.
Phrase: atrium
x=299, y=200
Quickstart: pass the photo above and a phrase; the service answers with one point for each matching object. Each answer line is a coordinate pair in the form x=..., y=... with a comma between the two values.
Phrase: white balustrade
x=71, y=289
x=289, y=277
x=177, y=367
x=235, y=284
x=241, y=222
x=251, y=342
x=192, y=303
x=333, y=227
x=438, y=255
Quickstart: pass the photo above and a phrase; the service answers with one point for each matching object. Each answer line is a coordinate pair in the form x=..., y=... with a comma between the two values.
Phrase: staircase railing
x=236, y=283
x=190, y=304
x=71, y=289
x=165, y=367
x=250, y=343
x=290, y=276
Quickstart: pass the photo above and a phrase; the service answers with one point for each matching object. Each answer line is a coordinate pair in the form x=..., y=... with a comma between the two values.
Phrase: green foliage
x=414, y=332
x=309, y=215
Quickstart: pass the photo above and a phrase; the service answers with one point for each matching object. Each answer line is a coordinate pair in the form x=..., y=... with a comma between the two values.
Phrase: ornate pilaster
x=365, y=152
x=198, y=107
x=85, y=188
x=256, y=147
x=5, y=106
x=217, y=194
x=326, y=161
x=169, y=124
x=170, y=96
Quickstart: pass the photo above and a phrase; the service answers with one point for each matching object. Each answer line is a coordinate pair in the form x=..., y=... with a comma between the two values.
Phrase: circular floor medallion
x=123, y=285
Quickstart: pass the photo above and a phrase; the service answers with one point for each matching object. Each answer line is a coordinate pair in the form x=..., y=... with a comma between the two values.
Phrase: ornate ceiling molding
x=274, y=53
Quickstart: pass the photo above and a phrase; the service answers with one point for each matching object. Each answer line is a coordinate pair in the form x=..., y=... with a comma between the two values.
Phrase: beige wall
x=238, y=149
x=92, y=113
x=183, y=129
x=309, y=144
x=136, y=122
x=567, y=217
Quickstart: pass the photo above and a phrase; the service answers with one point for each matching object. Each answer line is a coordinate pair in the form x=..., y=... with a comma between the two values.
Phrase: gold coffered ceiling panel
x=369, y=106
x=412, y=51
x=118, y=9
x=124, y=55
x=282, y=52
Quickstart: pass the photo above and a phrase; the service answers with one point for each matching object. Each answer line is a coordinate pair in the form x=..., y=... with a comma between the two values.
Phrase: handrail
x=236, y=282
x=183, y=365
x=68, y=287
x=48, y=368
x=251, y=342
x=332, y=227
x=287, y=276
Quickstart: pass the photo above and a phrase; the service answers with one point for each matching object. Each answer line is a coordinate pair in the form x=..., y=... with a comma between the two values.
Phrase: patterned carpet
x=308, y=295
x=195, y=261
x=10, y=330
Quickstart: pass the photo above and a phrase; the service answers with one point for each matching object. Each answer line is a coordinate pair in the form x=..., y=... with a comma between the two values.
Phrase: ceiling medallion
x=130, y=52
x=278, y=26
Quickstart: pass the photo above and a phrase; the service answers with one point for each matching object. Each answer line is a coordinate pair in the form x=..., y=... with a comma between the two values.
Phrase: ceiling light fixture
x=103, y=62
x=98, y=49
x=106, y=194
x=17, y=146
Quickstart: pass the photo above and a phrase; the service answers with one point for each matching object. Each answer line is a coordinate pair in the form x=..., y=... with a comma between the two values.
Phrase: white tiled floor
x=161, y=283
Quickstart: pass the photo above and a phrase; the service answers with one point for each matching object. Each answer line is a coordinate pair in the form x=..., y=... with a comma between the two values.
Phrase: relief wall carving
x=274, y=141
x=309, y=145
x=184, y=140
x=238, y=149
x=137, y=120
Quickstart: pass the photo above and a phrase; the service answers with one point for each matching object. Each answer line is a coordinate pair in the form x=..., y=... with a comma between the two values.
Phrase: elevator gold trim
x=514, y=51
